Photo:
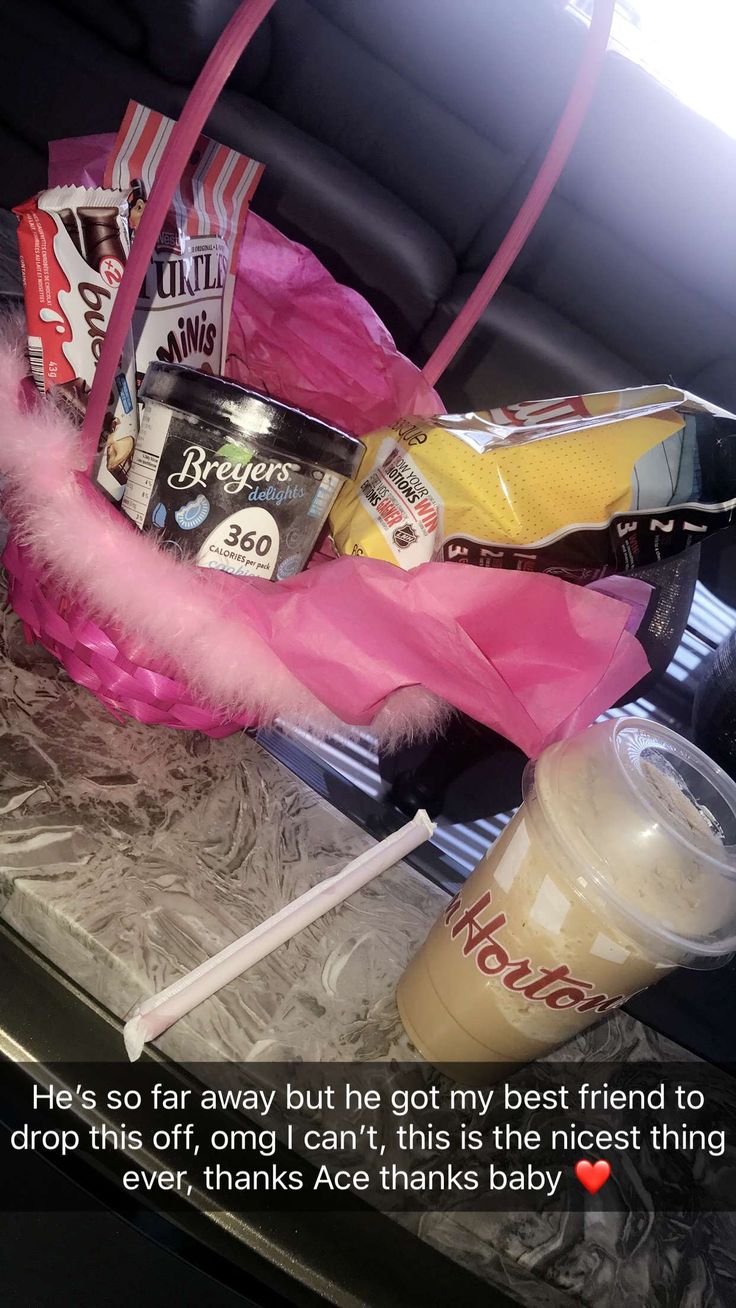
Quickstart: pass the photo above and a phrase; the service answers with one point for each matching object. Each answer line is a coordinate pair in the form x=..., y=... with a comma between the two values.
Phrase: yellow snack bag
x=579, y=486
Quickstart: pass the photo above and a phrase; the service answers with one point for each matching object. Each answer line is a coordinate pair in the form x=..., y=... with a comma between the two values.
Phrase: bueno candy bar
x=70, y=223
x=103, y=247
x=74, y=244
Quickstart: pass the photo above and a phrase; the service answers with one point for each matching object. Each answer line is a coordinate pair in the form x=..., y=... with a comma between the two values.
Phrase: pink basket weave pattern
x=94, y=658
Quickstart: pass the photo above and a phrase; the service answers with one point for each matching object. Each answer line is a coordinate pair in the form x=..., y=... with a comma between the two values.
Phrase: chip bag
x=579, y=487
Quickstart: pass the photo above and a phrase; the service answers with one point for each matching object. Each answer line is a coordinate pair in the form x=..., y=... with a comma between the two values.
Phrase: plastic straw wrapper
x=153, y=1016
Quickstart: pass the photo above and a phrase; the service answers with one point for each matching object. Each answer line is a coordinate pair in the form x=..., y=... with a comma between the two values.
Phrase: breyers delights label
x=229, y=506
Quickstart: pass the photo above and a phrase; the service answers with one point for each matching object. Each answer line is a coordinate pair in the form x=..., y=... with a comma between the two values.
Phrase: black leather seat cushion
x=27, y=171
x=409, y=92
x=364, y=234
x=635, y=245
x=11, y=284
x=521, y=350
x=612, y=291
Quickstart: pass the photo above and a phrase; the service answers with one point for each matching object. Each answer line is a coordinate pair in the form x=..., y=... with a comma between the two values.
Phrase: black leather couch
x=399, y=137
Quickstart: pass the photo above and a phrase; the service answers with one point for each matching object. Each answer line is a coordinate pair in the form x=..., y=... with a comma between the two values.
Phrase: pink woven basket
x=122, y=677
x=97, y=659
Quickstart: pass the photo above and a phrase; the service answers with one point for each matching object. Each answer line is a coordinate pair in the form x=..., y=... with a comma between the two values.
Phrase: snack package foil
x=73, y=245
x=578, y=487
x=183, y=310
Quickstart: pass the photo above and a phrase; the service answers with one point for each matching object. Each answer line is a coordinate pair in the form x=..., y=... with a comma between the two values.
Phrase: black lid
x=244, y=414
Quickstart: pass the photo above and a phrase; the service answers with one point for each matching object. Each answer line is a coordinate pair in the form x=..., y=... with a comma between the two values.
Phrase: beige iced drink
x=616, y=869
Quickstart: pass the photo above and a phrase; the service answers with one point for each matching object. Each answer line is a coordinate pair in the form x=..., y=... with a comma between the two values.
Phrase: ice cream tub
x=231, y=478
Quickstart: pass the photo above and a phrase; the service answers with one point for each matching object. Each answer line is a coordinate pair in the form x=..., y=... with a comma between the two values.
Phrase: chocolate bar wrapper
x=183, y=311
x=74, y=243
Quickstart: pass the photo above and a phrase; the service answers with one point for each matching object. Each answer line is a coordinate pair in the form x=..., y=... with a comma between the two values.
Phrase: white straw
x=153, y=1016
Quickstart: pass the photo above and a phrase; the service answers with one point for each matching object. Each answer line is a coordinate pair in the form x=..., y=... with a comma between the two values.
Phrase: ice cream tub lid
x=245, y=414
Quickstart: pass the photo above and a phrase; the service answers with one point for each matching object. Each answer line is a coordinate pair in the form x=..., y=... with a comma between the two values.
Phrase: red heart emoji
x=592, y=1175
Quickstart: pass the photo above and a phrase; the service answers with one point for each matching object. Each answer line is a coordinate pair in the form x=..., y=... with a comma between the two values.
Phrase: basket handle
x=199, y=105
x=197, y=109
x=539, y=192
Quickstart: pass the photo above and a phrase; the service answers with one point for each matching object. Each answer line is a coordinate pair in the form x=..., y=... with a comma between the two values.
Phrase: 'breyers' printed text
x=199, y=467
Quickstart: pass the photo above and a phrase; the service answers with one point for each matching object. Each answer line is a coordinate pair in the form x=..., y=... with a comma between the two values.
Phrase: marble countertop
x=128, y=854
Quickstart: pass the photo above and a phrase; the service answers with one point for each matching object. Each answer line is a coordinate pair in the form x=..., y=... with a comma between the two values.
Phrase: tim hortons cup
x=619, y=866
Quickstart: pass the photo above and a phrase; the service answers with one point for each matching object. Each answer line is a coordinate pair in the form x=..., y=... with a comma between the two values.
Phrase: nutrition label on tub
x=142, y=476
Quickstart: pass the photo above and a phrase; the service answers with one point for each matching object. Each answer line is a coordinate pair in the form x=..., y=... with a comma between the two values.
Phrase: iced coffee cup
x=619, y=866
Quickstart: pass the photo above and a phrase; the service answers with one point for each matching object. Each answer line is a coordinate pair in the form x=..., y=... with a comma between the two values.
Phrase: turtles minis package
x=579, y=487
x=183, y=309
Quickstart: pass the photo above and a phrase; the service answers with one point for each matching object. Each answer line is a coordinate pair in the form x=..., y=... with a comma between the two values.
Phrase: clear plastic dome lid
x=647, y=823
